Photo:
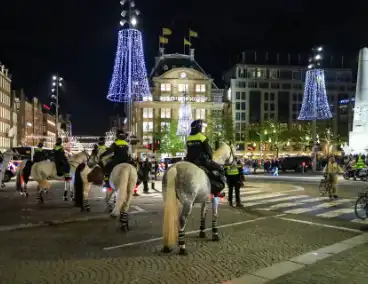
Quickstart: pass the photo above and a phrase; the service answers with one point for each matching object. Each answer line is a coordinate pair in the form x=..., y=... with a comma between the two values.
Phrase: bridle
x=232, y=156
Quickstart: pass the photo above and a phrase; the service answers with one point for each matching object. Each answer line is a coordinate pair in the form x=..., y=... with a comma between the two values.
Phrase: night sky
x=77, y=38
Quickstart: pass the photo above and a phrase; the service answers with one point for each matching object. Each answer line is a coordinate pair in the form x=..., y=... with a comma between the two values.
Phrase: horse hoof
x=124, y=228
x=166, y=249
x=183, y=251
x=215, y=238
x=202, y=235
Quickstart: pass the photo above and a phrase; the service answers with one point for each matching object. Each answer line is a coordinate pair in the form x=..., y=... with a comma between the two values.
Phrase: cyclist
x=331, y=171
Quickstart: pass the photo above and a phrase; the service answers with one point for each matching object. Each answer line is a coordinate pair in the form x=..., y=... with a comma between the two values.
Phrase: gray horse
x=186, y=183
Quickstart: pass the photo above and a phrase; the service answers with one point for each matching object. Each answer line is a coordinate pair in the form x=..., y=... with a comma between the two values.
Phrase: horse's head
x=79, y=158
x=225, y=154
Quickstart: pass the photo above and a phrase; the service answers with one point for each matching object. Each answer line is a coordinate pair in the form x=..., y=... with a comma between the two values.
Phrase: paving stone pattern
x=350, y=267
x=73, y=253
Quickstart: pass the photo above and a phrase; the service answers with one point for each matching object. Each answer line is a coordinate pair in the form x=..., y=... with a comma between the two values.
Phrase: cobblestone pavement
x=73, y=253
x=347, y=267
x=21, y=210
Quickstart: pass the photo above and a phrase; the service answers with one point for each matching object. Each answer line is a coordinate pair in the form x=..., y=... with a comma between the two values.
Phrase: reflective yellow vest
x=232, y=170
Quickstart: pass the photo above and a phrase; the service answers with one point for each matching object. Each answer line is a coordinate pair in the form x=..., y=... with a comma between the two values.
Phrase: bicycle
x=325, y=187
x=361, y=205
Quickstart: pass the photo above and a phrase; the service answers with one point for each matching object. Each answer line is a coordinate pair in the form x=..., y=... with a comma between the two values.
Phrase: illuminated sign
x=198, y=99
x=51, y=122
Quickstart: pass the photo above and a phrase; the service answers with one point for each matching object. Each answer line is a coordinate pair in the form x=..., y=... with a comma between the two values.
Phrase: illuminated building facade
x=5, y=110
x=173, y=77
x=269, y=87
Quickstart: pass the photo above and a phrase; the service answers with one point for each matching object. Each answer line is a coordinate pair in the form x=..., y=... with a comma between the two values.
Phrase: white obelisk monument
x=358, y=138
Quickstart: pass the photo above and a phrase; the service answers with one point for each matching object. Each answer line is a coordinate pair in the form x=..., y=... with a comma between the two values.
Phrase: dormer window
x=165, y=87
x=200, y=88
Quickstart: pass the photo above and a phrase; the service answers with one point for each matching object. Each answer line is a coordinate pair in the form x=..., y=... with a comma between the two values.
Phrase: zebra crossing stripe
x=284, y=198
x=360, y=221
x=320, y=206
x=292, y=204
x=248, y=192
x=335, y=213
x=262, y=196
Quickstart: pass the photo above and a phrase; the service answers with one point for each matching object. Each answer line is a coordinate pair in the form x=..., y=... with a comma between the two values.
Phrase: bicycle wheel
x=361, y=207
x=322, y=188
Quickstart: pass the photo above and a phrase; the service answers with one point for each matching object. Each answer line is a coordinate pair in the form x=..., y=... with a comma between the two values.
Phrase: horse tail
x=122, y=188
x=171, y=214
x=78, y=185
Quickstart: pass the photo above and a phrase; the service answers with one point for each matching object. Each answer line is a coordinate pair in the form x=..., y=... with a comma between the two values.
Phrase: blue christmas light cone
x=315, y=104
x=129, y=79
x=185, y=119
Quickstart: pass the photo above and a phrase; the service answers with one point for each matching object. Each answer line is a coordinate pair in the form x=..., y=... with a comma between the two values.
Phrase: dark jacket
x=39, y=155
x=120, y=148
x=146, y=169
x=198, y=148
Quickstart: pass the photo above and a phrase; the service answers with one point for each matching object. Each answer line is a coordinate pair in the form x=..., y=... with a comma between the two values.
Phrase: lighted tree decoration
x=185, y=118
x=129, y=79
x=315, y=104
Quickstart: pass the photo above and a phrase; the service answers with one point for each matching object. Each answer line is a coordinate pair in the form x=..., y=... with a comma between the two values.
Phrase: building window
x=147, y=126
x=243, y=96
x=237, y=116
x=237, y=95
x=242, y=106
x=200, y=113
x=148, y=113
x=166, y=113
x=182, y=87
x=237, y=106
x=200, y=88
x=165, y=126
x=252, y=84
x=147, y=139
x=165, y=87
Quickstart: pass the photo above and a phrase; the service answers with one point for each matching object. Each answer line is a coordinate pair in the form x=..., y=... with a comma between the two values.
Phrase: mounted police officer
x=61, y=162
x=100, y=147
x=199, y=152
x=120, y=148
x=39, y=154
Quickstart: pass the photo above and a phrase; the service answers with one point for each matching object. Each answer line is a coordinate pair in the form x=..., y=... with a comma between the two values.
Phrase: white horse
x=7, y=157
x=43, y=171
x=186, y=183
x=123, y=180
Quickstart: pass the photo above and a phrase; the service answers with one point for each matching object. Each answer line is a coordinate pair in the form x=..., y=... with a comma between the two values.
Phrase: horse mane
x=220, y=151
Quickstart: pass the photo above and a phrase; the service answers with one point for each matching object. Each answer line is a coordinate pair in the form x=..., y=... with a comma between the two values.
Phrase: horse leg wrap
x=86, y=206
x=39, y=196
x=202, y=233
x=65, y=195
x=124, y=220
x=181, y=241
x=214, y=227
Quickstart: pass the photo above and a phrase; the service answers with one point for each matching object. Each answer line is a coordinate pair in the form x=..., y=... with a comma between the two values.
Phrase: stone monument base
x=358, y=142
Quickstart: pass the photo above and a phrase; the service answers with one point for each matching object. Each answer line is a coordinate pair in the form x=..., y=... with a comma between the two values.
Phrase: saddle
x=217, y=180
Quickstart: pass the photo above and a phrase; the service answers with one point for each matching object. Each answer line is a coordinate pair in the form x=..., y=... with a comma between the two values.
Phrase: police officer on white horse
x=199, y=152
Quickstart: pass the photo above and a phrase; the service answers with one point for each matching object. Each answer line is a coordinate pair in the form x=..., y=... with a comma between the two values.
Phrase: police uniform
x=39, y=154
x=360, y=164
x=234, y=173
x=62, y=165
x=198, y=148
x=199, y=152
x=120, y=148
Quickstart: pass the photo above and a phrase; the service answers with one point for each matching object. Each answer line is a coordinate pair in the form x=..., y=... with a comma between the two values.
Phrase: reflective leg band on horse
x=215, y=204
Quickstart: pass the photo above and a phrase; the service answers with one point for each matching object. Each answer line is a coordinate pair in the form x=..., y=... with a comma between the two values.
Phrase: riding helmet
x=101, y=141
x=120, y=134
x=59, y=141
x=197, y=124
x=40, y=145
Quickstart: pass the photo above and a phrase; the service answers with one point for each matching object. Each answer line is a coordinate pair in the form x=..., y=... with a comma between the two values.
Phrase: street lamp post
x=315, y=62
x=56, y=84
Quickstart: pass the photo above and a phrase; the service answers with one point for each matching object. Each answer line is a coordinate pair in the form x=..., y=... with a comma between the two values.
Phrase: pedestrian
x=146, y=170
x=234, y=175
x=331, y=170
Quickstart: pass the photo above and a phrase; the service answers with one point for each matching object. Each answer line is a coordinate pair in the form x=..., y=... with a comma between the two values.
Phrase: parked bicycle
x=361, y=205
